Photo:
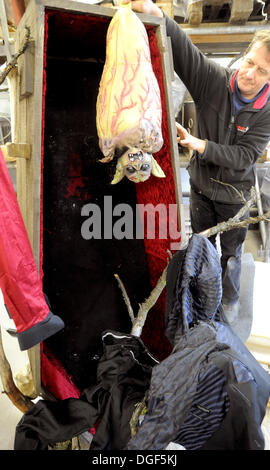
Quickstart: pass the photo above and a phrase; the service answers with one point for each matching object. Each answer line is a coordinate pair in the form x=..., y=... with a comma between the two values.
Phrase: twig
x=240, y=194
x=13, y=393
x=126, y=298
x=148, y=304
x=140, y=408
x=231, y=224
x=12, y=64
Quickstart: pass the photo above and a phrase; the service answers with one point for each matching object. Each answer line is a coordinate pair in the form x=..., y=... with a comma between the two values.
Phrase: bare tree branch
x=231, y=224
x=13, y=63
x=126, y=298
x=148, y=304
x=140, y=408
x=18, y=399
x=240, y=194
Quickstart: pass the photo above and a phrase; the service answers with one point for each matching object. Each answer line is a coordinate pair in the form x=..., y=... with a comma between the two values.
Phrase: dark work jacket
x=232, y=144
x=210, y=393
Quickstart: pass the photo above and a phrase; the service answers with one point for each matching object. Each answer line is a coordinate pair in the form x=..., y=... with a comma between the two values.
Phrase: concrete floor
x=10, y=415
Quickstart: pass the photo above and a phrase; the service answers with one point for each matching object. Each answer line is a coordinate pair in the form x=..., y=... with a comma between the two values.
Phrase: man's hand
x=189, y=141
x=145, y=6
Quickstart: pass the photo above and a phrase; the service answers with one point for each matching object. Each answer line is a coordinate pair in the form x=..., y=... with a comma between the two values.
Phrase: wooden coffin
x=55, y=91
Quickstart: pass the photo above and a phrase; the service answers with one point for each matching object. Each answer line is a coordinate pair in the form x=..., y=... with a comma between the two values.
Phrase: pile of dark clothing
x=209, y=393
x=123, y=377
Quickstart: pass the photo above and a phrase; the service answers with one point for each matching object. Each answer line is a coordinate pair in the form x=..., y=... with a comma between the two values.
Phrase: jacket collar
x=260, y=102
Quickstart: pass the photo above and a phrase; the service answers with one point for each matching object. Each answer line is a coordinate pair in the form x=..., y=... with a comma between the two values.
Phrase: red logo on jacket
x=241, y=128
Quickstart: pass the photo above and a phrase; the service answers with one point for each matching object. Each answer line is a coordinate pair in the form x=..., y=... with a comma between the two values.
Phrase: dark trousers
x=205, y=214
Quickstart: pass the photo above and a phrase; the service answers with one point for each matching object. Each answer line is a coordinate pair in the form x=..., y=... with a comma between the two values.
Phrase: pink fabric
x=19, y=278
x=55, y=378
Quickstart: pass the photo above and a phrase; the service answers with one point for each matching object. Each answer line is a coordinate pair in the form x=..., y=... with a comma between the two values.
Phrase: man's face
x=254, y=71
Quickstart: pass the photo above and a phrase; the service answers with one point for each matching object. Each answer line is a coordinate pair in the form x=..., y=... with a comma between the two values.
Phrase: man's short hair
x=262, y=36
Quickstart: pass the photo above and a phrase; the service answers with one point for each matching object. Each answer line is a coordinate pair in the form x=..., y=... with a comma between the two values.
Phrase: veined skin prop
x=129, y=109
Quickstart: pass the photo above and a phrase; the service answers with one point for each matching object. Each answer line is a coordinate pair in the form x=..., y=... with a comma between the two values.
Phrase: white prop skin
x=129, y=111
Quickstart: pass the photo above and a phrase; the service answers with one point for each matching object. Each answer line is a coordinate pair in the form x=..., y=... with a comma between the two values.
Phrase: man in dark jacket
x=233, y=129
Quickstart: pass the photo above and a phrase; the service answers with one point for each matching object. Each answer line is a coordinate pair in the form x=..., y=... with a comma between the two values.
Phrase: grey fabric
x=173, y=387
x=197, y=272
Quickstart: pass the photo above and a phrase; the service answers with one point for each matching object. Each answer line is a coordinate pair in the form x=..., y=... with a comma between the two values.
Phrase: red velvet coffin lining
x=154, y=191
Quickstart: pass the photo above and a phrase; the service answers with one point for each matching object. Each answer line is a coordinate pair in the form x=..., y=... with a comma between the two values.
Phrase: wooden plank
x=221, y=38
x=167, y=7
x=250, y=26
x=13, y=151
x=34, y=359
x=195, y=13
x=168, y=78
x=241, y=11
x=71, y=5
x=28, y=71
x=27, y=125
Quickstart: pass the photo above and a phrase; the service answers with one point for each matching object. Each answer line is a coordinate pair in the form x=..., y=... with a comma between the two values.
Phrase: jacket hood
x=195, y=294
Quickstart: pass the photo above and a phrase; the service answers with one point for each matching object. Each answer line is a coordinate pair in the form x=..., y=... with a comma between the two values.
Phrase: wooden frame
x=27, y=109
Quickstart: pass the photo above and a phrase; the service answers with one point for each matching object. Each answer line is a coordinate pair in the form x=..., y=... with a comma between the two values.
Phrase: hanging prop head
x=129, y=111
x=137, y=166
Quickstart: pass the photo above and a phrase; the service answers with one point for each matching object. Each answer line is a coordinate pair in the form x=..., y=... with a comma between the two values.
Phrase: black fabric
x=229, y=409
x=123, y=376
x=174, y=272
x=40, y=331
x=78, y=272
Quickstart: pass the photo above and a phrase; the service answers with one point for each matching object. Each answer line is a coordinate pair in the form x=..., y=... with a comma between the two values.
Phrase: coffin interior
x=78, y=274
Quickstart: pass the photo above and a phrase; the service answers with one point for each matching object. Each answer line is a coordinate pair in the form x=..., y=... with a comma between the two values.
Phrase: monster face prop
x=136, y=166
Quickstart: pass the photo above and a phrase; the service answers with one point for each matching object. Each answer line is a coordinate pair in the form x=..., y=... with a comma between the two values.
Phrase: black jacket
x=123, y=377
x=232, y=146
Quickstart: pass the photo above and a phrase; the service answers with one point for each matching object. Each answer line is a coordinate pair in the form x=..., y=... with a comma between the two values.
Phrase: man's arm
x=145, y=6
x=190, y=64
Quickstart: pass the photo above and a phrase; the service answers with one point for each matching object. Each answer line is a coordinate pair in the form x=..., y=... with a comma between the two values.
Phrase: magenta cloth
x=19, y=277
